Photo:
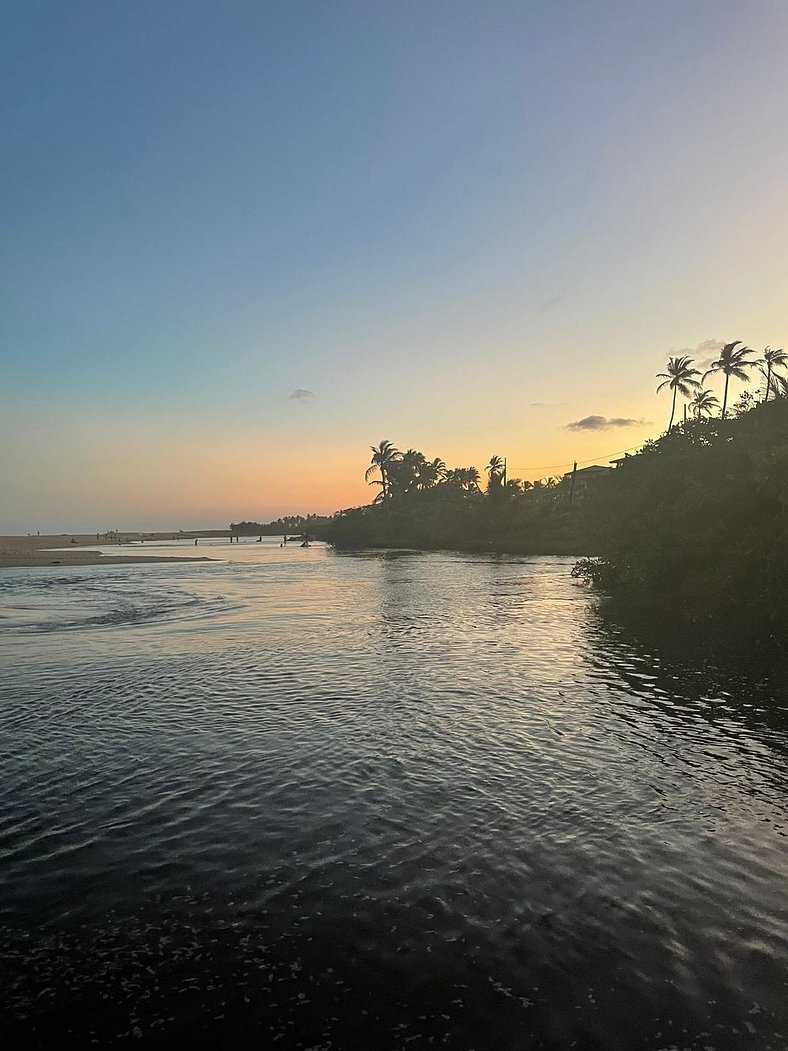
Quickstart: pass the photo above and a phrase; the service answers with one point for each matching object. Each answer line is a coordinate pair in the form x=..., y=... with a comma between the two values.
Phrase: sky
x=244, y=241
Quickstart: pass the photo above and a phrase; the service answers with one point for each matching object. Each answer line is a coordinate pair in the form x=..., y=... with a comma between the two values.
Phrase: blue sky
x=459, y=226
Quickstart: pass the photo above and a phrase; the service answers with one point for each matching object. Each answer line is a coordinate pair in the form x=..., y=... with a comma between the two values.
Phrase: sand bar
x=39, y=550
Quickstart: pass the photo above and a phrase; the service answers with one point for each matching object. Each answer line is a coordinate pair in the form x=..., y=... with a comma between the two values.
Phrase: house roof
x=594, y=469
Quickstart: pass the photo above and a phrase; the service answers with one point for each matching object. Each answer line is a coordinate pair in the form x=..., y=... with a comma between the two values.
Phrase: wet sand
x=39, y=550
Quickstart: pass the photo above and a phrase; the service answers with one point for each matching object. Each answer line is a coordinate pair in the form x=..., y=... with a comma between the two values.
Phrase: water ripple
x=398, y=802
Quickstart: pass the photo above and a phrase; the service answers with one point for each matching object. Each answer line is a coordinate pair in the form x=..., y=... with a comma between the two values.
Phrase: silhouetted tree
x=466, y=478
x=405, y=473
x=731, y=362
x=772, y=359
x=495, y=472
x=430, y=472
x=703, y=403
x=680, y=378
x=747, y=401
x=384, y=457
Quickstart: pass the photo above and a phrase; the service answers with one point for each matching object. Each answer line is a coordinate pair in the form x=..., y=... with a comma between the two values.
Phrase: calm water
x=313, y=800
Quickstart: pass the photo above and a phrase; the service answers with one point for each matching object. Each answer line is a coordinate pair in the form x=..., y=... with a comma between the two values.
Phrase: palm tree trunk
x=673, y=410
x=768, y=381
x=725, y=397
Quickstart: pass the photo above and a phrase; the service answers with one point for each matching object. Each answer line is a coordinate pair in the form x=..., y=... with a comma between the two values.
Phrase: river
x=307, y=799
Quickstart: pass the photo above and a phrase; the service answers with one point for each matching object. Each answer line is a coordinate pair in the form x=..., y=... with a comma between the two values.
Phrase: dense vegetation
x=295, y=524
x=694, y=526
x=424, y=504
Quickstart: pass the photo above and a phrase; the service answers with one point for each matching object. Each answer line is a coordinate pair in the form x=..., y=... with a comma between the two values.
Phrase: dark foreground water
x=309, y=800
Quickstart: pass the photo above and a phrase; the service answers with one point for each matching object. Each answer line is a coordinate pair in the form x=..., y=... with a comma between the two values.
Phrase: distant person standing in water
x=195, y=543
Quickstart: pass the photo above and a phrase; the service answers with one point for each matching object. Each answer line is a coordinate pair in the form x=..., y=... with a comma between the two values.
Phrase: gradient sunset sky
x=243, y=241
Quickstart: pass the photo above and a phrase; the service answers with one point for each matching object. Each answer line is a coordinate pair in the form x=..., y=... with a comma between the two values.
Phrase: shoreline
x=32, y=551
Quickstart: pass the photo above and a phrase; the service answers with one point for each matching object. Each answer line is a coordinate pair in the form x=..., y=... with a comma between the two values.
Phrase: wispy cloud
x=602, y=423
x=702, y=355
x=300, y=395
x=552, y=301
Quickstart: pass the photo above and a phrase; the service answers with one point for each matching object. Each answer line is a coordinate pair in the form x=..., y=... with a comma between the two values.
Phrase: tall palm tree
x=731, y=362
x=772, y=359
x=495, y=472
x=680, y=378
x=703, y=403
x=495, y=467
x=384, y=456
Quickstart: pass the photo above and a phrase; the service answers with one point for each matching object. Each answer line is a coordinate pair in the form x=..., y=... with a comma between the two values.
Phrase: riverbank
x=46, y=550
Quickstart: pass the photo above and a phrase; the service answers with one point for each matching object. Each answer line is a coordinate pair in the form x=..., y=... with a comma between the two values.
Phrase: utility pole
x=572, y=483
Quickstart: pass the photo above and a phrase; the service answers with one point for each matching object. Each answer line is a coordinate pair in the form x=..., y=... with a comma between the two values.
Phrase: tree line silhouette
x=422, y=503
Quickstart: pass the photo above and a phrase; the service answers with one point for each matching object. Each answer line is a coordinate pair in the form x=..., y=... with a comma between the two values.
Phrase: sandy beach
x=42, y=550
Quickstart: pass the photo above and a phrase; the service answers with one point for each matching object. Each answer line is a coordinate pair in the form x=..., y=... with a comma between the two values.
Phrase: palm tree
x=495, y=472
x=495, y=467
x=680, y=378
x=403, y=475
x=732, y=362
x=772, y=359
x=703, y=403
x=430, y=472
x=466, y=478
x=384, y=456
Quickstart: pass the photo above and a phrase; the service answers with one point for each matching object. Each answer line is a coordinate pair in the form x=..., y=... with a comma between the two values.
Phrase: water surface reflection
x=357, y=801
